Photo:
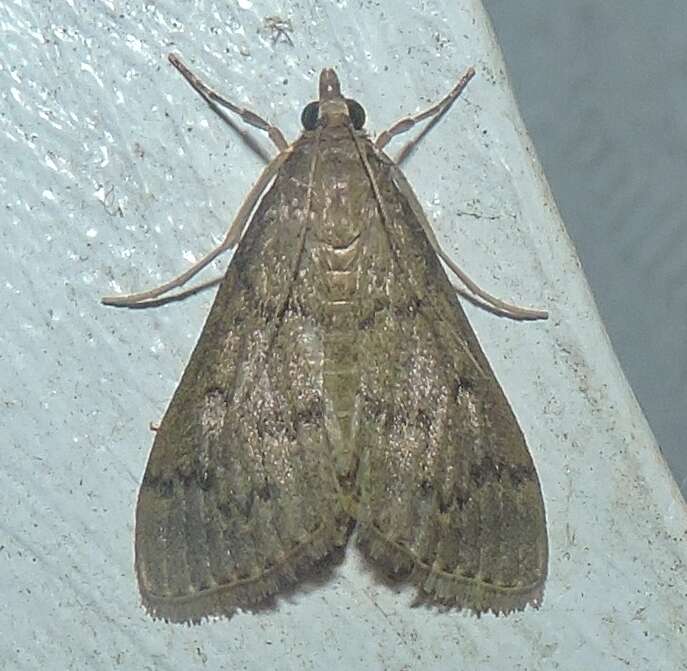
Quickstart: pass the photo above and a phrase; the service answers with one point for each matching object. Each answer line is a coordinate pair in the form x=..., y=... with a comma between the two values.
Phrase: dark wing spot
x=486, y=470
x=520, y=473
x=424, y=421
x=426, y=488
x=461, y=385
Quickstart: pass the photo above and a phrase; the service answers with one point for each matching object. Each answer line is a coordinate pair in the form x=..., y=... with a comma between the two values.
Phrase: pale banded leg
x=251, y=118
x=405, y=124
x=230, y=240
x=513, y=311
x=234, y=234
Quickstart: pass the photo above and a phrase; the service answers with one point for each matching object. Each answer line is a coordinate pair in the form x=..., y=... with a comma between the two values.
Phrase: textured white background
x=117, y=176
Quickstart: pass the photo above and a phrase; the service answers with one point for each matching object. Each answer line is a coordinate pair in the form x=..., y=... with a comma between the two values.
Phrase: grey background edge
x=601, y=87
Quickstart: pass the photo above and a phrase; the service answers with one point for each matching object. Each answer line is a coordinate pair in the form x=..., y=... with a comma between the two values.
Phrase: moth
x=336, y=390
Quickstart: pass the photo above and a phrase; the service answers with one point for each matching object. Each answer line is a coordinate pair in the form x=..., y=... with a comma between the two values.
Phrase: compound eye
x=356, y=113
x=310, y=115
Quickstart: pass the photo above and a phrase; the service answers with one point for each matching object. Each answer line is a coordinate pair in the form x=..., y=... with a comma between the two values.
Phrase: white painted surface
x=117, y=175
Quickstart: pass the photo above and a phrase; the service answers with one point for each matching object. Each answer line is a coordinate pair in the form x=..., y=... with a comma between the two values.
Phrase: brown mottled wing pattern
x=239, y=497
x=448, y=496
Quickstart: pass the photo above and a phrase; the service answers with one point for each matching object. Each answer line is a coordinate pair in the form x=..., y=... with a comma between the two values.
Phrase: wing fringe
x=451, y=590
x=223, y=600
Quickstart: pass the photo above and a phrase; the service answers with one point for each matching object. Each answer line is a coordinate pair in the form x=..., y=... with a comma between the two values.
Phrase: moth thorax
x=334, y=113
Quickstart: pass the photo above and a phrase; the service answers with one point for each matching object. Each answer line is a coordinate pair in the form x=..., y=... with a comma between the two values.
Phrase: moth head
x=332, y=109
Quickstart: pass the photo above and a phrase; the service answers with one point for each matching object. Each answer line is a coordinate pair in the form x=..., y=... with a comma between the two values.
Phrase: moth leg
x=251, y=118
x=406, y=123
x=230, y=240
x=513, y=311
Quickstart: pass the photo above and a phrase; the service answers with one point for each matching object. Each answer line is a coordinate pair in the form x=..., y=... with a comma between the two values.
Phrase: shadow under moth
x=336, y=389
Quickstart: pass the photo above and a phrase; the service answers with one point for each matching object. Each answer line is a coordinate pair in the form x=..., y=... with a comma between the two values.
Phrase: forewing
x=239, y=495
x=448, y=494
